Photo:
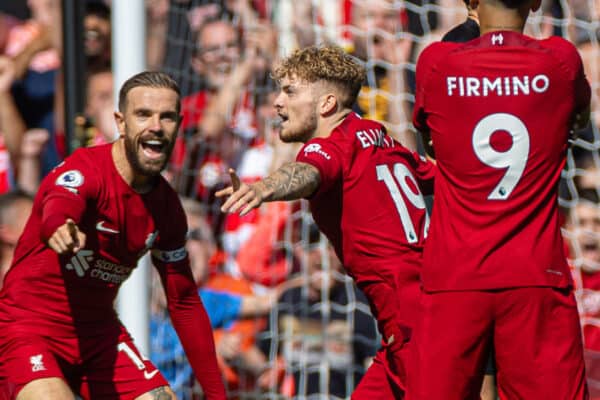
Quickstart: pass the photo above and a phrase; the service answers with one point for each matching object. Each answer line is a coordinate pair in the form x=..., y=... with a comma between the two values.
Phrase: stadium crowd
x=287, y=321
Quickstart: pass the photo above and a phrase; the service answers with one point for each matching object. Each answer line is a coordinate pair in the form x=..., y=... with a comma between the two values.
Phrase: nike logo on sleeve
x=150, y=375
x=100, y=226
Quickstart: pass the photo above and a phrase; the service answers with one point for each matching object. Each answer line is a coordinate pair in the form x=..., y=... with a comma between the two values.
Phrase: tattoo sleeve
x=160, y=394
x=292, y=181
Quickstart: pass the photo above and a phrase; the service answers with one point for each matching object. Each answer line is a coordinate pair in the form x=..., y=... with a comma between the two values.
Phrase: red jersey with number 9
x=499, y=110
x=369, y=203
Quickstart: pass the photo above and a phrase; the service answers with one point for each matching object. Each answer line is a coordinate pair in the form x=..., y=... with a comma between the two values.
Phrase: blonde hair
x=329, y=64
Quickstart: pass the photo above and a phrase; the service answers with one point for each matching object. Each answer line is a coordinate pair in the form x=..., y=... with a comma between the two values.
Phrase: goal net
x=316, y=341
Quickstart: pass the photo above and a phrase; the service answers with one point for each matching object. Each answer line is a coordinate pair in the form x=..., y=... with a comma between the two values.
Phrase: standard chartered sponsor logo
x=81, y=262
x=99, y=268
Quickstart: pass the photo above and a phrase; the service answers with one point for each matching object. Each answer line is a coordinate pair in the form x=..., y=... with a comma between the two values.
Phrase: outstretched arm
x=191, y=323
x=291, y=181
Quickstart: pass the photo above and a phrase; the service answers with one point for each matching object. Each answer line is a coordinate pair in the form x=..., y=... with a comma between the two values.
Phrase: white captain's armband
x=170, y=256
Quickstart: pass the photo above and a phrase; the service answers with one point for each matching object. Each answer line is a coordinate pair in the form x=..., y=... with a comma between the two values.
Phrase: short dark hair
x=153, y=79
x=97, y=8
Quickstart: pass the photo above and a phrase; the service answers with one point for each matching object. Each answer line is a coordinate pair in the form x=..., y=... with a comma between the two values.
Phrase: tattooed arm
x=291, y=181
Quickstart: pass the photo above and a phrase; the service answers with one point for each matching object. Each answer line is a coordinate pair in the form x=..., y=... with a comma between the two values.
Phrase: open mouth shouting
x=154, y=149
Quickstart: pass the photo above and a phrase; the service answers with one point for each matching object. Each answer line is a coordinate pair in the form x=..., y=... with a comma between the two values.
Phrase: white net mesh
x=316, y=341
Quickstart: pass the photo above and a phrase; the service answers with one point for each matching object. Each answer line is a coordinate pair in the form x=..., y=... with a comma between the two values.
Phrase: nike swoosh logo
x=151, y=374
x=100, y=226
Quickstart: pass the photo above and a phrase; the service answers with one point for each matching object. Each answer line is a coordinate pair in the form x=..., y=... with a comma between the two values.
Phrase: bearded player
x=499, y=110
x=93, y=218
x=365, y=194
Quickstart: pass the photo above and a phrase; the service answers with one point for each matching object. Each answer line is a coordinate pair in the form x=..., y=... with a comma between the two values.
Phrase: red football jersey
x=72, y=296
x=120, y=225
x=369, y=203
x=499, y=110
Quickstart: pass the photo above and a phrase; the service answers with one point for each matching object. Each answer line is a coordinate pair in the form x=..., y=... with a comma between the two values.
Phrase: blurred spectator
x=97, y=36
x=582, y=234
x=224, y=114
x=241, y=362
x=379, y=39
x=12, y=126
x=590, y=55
x=35, y=47
x=587, y=173
x=467, y=30
x=7, y=22
x=324, y=331
x=156, y=32
x=99, y=125
x=15, y=208
x=20, y=148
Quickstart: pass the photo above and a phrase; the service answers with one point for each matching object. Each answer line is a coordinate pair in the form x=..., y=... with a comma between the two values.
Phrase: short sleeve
x=324, y=155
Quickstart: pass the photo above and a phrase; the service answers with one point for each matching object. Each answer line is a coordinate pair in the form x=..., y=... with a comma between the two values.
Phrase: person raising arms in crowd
x=93, y=217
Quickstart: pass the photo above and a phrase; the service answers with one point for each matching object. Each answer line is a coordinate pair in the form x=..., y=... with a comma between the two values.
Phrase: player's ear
x=120, y=122
x=328, y=104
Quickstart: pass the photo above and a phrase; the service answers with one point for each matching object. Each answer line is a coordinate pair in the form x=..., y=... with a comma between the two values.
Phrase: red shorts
x=535, y=333
x=380, y=382
x=100, y=368
x=396, y=307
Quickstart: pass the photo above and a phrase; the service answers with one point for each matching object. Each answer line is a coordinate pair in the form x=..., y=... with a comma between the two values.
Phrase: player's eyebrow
x=142, y=111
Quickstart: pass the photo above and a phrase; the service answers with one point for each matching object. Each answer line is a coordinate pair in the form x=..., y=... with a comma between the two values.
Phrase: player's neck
x=140, y=184
x=327, y=125
x=493, y=19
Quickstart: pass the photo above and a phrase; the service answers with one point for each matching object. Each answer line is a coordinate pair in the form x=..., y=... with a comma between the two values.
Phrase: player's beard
x=151, y=167
x=303, y=133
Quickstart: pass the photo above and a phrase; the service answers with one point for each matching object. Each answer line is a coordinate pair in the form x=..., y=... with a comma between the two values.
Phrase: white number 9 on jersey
x=514, y=159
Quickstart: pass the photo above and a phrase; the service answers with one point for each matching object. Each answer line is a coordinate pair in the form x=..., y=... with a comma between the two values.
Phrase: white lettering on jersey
x=170, y=256
x=70, y=179
x=469, y=86
x=36, y=363
x=374, y=137
x=99, y=268
x=316, y=148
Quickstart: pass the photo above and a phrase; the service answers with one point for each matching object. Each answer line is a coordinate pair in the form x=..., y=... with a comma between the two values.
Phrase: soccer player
x=93, y=217
x=365, y=193
x=499, y=110
x=464, y=32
